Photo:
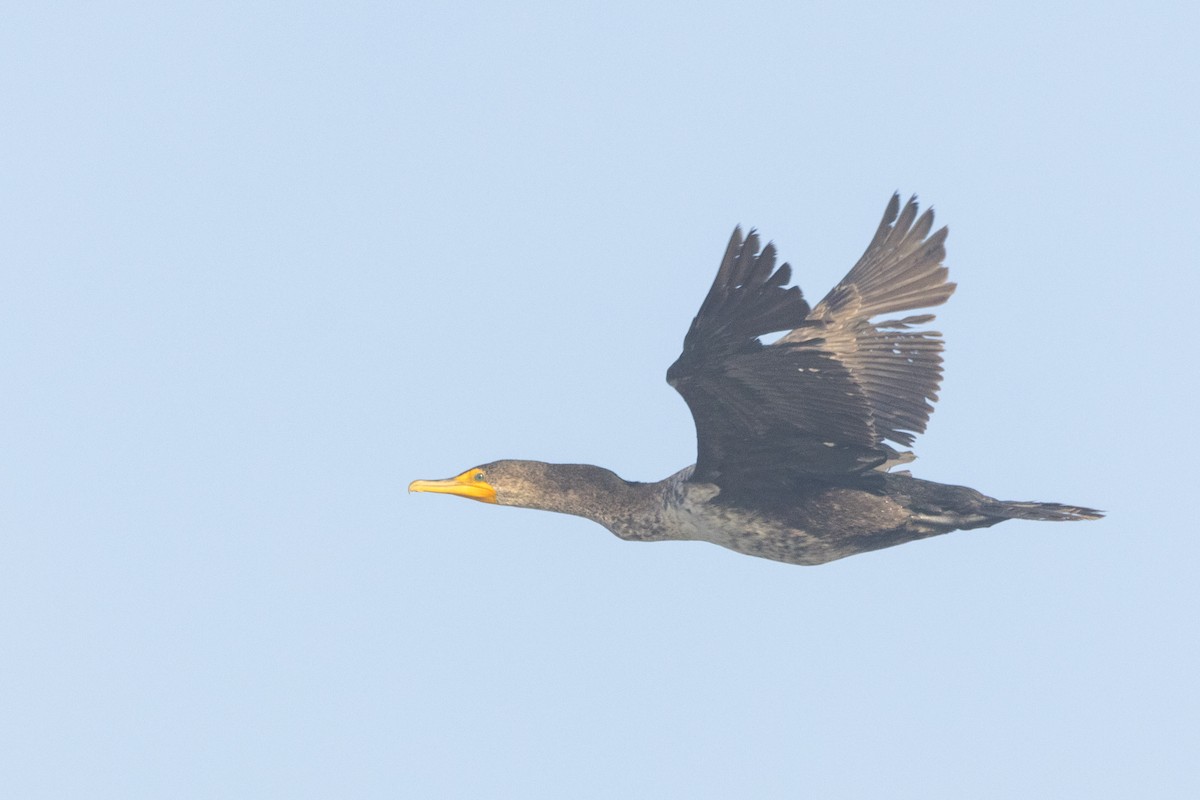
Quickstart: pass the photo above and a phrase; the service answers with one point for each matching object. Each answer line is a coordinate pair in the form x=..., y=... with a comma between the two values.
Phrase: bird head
x=528, y=484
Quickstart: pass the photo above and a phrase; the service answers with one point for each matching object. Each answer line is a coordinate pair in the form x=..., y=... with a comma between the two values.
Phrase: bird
x=797, y=438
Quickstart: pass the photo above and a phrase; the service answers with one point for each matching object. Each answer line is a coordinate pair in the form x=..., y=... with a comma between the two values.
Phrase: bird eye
x=478, y=476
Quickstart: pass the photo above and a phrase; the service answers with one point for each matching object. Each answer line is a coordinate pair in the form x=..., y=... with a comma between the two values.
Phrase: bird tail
x=1052, y=512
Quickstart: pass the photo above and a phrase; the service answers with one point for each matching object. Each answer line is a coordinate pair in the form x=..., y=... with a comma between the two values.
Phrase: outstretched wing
x=822, y=400
x=898, y=365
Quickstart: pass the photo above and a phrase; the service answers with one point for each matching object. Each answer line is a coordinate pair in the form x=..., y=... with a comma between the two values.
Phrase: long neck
x=630, y=510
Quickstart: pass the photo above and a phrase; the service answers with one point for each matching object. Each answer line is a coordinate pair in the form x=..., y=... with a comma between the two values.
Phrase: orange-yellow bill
x=469, y=484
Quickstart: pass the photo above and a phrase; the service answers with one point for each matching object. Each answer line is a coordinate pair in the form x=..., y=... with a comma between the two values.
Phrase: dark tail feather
x=1053, y=512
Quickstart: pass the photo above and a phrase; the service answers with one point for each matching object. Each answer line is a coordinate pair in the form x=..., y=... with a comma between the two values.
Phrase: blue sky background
x=263, y=265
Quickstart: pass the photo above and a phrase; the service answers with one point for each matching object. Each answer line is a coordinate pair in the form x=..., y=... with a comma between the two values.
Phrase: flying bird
x=793, y=457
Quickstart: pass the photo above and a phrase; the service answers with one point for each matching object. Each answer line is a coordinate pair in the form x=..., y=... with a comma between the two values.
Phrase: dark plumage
x=793, y=437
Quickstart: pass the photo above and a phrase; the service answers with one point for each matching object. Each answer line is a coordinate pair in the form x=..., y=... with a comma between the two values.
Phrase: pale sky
x=262, y=267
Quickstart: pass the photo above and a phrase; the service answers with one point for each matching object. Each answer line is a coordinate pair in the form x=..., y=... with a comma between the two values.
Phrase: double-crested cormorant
x=792, y=459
